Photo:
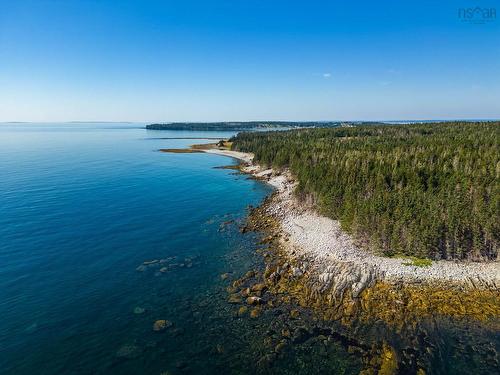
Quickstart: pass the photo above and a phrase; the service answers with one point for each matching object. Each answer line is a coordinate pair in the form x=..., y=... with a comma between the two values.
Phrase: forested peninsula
x=253, y=125
x=425, y=190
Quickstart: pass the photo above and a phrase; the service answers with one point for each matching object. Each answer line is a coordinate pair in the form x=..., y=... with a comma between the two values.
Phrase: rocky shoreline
x=320, y=266
x=329, y=249
x=315, y=285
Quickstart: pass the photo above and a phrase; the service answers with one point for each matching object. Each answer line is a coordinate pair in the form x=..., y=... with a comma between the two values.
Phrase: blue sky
x=189, y=60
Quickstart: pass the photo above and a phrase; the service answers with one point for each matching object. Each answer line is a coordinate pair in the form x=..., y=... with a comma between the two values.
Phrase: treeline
x=427, y=190
x=249, y=125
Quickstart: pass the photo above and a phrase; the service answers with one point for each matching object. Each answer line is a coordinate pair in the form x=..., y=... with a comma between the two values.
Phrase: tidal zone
x=383, y=327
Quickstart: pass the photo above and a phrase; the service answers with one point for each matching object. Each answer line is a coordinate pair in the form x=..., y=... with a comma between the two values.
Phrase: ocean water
x=82, y=207
x=101, y=235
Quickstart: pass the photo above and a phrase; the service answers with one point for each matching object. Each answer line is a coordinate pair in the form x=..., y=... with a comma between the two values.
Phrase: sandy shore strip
x=243, y=156
x=325, y=244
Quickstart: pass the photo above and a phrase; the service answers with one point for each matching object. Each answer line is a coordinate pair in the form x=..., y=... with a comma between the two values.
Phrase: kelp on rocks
x=392, y=317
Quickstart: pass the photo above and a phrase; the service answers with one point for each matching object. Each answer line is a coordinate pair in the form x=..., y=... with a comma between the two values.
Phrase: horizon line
x=241, y=121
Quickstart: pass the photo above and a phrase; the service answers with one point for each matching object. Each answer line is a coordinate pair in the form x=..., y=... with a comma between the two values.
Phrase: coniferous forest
x=426, y=190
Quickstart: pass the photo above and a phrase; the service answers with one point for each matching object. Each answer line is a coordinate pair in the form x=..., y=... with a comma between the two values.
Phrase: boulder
x=234, y=298
x=242, y=311
x=255, y=313
x=258, y=287
x=254, y=300
x=161, y=325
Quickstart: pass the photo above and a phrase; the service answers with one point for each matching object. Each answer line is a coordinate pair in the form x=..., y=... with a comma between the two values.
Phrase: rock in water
x=258, y=287
x=280, y=347
x=254, y=300
x=234, y=298
x=242, y=310
x=139, y=310
x=161, y=325
x=255, y=313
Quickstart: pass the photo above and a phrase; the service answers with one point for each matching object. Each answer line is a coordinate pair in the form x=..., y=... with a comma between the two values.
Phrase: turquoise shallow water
x=82, y=206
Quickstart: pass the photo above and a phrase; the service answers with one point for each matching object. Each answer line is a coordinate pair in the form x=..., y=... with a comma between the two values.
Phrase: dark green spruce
x=427, y=190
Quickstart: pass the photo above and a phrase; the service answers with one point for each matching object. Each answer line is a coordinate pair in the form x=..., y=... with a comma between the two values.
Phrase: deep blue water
x=81, y=207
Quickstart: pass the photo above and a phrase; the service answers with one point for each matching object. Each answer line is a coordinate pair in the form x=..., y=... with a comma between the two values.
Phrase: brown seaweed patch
x=391, y=303
x=394, y=303
x=397, y=320
x=233, y=167
x=397, y=305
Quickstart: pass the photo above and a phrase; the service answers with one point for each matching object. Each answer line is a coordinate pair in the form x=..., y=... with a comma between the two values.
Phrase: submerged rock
x=231, y=289
x=139, y=310
x=161, y=325
x=234, y=298
x=285, y=332
x=280, y=347
x=258, y=287
x=254, y=300
x=255, y=313
x=242, y=311
x=249, y=274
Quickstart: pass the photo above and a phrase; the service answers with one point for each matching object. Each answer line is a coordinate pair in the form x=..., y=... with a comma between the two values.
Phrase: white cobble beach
x=324, y=244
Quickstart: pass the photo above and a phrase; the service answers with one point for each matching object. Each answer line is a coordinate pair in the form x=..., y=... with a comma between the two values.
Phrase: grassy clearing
x=414, y=261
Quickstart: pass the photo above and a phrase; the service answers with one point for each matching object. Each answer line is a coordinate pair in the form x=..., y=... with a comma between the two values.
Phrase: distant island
x=256, y=125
